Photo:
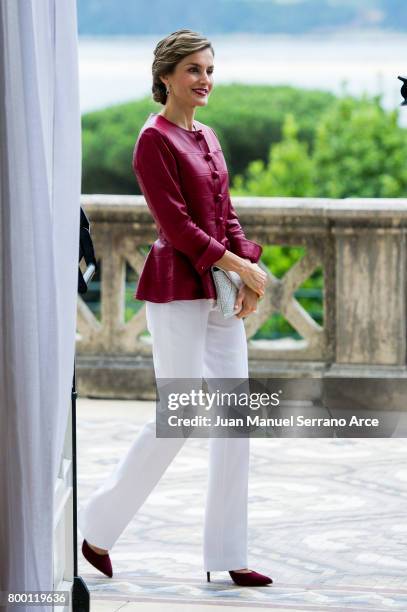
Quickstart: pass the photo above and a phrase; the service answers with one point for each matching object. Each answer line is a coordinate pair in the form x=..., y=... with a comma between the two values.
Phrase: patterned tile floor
x=327, y=520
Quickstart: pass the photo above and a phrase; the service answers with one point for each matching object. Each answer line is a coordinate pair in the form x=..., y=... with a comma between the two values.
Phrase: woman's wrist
x=232, y=262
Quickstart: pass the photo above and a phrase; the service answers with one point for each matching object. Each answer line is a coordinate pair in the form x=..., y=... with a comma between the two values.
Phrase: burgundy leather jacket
x=183, y=176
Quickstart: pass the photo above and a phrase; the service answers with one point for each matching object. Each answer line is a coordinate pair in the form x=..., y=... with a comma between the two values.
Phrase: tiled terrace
x=327, y=520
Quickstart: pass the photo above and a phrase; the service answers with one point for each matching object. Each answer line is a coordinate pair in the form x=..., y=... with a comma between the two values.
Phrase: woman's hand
x=246, y=299
x=250, y=273
x=254, y=277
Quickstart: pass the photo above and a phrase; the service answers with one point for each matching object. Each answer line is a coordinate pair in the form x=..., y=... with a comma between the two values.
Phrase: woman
x=181, y=170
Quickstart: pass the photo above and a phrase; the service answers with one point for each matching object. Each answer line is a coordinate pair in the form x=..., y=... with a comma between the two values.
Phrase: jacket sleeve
x=156, y=170
x=239, y=244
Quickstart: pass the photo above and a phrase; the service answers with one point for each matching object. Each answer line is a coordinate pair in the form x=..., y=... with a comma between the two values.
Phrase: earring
x=167, y=90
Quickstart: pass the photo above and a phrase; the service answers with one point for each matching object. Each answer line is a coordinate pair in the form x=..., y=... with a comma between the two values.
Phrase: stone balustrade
x=359, y=244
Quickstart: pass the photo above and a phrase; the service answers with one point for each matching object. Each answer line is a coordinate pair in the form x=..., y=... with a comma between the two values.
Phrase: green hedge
x=247, y=119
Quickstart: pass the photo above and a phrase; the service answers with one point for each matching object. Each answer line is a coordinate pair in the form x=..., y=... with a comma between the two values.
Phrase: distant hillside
x=132, y=17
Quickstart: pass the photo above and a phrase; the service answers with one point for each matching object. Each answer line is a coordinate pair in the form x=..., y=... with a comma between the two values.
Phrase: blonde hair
x=169, y=52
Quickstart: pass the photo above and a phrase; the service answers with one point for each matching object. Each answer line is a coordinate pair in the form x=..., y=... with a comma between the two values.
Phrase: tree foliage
x=288, y=172
x=359, y=151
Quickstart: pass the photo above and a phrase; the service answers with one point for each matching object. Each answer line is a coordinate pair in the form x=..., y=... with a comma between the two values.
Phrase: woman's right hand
x=254, y=277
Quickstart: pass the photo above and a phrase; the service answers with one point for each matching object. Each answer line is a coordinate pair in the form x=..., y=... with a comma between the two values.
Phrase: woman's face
x=192, y=80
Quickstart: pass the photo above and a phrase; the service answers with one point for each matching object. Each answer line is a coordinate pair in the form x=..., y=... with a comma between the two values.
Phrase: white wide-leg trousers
x=191, y=339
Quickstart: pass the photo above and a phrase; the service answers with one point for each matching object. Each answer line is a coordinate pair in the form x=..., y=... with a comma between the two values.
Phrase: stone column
x=370, y=296
x=368, y=375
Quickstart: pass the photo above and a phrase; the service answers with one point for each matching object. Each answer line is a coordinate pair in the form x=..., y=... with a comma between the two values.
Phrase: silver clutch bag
x=227, y=284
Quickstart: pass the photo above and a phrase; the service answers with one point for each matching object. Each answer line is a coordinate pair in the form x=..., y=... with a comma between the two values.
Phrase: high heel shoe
x=101, y=562
x=246, y=579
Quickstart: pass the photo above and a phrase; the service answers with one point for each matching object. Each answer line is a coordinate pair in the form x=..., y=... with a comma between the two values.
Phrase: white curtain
x=39, y=242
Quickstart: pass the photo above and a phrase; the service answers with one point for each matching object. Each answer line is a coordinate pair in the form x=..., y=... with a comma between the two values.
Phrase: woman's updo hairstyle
x=171, y=50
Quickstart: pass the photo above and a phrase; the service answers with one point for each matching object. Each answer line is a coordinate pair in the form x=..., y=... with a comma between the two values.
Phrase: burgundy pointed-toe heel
x=246, y=579
x=101, y=562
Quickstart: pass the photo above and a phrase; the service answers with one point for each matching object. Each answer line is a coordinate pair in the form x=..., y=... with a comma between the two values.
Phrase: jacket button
x=208, y=156
x=218, y=197
x=215, y=174
x=220, y=219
